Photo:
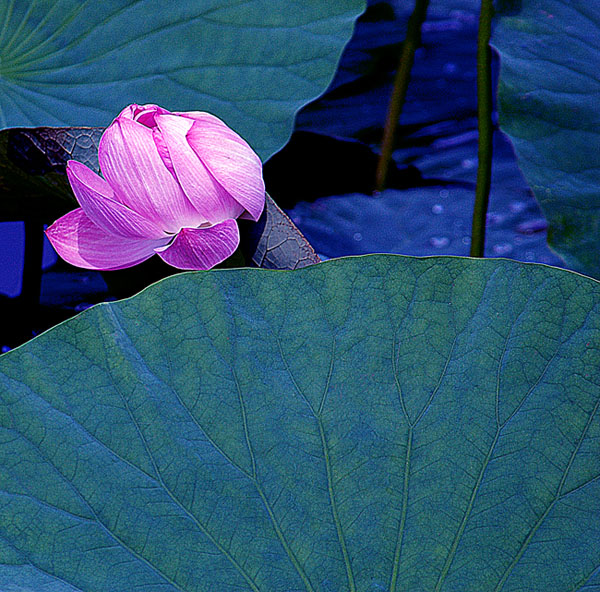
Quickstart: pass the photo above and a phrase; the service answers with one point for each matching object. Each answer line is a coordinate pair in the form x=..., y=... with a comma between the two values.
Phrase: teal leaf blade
x=252, y=63
x=369, y=423
x=549, y=93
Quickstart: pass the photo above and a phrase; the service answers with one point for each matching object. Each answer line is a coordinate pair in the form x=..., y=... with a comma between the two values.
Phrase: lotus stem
x=401, y=80
x=485, y=126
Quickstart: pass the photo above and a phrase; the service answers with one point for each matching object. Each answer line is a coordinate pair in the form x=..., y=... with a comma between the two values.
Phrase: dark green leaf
x=376, y=423
x=274, y=242
x=549, y=104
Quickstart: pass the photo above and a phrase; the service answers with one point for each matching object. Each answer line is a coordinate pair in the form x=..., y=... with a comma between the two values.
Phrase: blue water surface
x=12, y=255
x=437, y=134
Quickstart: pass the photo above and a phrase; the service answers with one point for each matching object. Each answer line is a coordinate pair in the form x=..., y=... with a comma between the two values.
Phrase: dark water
x=12, y=235
x=325, y=182
x=437, y=135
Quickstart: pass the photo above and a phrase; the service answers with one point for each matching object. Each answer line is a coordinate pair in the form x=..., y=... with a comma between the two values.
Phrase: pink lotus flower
x=174, y=184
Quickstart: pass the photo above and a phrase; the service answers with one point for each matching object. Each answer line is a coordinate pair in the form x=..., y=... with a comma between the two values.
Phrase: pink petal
x=163, y=151
x=132, y=166
x=142, y=113
x=204, y=192
x=202, y=248
x=128, y=112
x=82, y=243
x=96, y=198
x=230, y=159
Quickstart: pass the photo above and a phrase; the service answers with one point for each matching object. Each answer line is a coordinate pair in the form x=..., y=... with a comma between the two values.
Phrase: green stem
x=407, y=57
x=484, y=119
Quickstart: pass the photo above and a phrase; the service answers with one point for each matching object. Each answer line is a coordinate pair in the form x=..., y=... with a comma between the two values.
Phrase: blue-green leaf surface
x=378, y=423
x=549, y=99
x=252, y=62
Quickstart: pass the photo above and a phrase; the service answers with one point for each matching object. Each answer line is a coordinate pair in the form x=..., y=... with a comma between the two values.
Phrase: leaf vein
x=328, y=471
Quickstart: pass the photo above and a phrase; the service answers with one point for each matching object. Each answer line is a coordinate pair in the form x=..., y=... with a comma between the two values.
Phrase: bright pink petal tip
x=202, y=248
x=82, y=243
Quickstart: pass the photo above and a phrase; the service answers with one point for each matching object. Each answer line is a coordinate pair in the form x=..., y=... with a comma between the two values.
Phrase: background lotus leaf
x=252, y=63
x=365, y=424
x=549, y=99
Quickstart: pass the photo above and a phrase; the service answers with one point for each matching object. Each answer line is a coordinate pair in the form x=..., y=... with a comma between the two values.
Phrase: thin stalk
x=401, y=80
x=484, y=119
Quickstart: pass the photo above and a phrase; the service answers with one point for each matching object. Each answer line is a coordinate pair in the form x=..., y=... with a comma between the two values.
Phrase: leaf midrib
x=328, y=470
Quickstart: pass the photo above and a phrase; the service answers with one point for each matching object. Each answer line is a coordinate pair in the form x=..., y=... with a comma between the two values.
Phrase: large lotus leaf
x=252, y=62
x=550, y=107
x=377, y=423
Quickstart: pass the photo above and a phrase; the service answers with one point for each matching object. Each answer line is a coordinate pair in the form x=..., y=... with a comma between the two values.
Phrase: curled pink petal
x=96, y=197
x=128, y=112
x=82, y=243
x=207, y=196
x=202, y=248
x=163, y=151
x=145, y=114
x=134, y=169
x=230, y=159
